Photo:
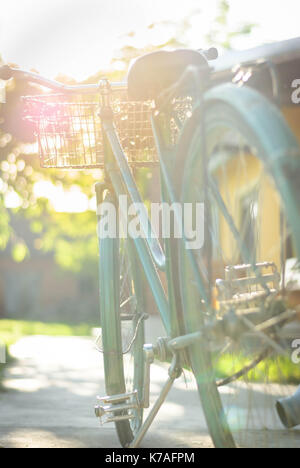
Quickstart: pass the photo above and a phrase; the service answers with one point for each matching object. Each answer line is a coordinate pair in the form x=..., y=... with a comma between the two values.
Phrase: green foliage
x=12, y=330
x=4, y=226
x=19, y=252
x=279, y=369
x=221, y=33
x=71, y=237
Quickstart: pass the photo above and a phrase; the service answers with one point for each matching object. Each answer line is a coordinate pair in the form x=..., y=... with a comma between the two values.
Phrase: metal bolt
x=99, y=412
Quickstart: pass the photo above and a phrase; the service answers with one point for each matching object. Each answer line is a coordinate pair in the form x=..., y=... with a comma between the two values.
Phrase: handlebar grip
x=211, y=53
x=6, y=72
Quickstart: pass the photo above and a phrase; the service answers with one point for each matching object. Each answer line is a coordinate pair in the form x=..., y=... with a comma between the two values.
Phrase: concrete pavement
x=51, y=393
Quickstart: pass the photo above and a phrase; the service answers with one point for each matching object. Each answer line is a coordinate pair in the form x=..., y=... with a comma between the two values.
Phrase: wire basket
x=69, y=132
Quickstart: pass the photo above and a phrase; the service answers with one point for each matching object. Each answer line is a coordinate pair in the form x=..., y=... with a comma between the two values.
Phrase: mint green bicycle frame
x=148, y=247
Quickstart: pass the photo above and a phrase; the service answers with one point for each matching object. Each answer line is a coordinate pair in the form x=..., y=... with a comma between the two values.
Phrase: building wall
x=292, y=116
x=38, y=290
x=235, y=186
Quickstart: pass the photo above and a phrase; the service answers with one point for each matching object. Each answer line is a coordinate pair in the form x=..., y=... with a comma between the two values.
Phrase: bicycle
x=229, y=148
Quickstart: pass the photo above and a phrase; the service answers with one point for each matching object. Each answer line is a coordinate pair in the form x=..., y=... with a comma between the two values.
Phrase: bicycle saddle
x=153, y=72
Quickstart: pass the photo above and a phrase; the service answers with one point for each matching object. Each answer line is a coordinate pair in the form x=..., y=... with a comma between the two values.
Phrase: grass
x=279, y=369
x=12, y=330
x=2, y=367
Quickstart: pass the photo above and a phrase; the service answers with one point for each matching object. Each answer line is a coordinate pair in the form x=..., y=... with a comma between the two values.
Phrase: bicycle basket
x=69, y=132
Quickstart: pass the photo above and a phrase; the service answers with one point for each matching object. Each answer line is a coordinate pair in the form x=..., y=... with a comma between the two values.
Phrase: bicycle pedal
x=117, y=407
x=247, y=283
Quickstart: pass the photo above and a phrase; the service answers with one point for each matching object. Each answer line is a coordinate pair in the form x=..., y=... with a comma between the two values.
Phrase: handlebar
x=6, y=73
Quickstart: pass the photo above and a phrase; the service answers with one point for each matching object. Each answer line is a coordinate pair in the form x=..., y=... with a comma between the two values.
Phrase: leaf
x=19, y=252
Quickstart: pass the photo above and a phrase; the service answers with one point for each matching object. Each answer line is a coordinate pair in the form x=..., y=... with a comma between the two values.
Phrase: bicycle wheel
x=250, y=187
x=122, y=323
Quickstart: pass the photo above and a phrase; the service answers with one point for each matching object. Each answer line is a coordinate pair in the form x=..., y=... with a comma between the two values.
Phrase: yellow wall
x=292, y=116
x=234, y=186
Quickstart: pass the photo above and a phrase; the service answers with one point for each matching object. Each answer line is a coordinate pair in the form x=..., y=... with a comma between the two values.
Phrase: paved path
x=51, y=393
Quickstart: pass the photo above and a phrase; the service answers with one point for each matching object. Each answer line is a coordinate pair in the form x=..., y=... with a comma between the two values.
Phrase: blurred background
x=48, y=245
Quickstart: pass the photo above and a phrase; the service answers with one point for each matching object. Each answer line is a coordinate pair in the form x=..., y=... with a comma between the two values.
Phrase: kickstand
x=174, y=372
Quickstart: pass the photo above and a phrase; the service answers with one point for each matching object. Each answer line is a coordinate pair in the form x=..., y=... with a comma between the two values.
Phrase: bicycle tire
x=114, y=354
x=248, y=111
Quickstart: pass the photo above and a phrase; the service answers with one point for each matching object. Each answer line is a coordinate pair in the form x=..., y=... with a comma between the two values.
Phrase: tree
x=220, y=32
x=71, y=237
